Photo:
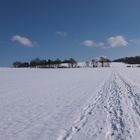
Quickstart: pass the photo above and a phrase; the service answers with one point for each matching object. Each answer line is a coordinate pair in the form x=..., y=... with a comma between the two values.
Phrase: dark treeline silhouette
x=42, y=63
x=21, y=64
x=129, y=60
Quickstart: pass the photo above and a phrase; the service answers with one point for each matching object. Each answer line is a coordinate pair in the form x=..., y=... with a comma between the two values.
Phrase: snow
x=70, y=104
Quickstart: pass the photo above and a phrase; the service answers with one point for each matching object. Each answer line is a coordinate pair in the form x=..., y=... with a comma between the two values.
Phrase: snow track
x=113, y=115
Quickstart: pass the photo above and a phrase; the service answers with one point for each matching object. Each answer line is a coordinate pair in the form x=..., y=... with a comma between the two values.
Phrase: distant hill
x=129, y=60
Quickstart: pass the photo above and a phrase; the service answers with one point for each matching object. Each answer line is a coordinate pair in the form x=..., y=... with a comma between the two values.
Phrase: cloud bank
x=111, y=42
x=88, y=43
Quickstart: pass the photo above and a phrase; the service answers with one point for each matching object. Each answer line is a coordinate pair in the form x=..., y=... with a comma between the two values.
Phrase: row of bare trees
x=69, y=63
x=42, y=63
x=102, y=62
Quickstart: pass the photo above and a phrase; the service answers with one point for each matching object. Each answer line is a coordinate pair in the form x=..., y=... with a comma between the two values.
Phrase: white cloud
x=117, y=41
x=92, y=43
x=62, y=34
x=22, y=40
x=101, y=45
x=88, y=43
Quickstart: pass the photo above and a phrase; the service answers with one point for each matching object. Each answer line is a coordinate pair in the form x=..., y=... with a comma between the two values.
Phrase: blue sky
x=82, y=29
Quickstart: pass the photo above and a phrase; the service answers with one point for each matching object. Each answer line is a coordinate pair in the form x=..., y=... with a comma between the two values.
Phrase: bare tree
x=94, y=63
x=105, y=62
x=87, y=63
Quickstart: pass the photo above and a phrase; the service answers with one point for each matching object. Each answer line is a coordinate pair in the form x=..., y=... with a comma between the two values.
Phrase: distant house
x=81, y=65
x=105, y=64
x=64, y=65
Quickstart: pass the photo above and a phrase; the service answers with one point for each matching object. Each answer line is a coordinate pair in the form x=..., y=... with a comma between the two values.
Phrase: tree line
x=129, y=60
x=42, y=63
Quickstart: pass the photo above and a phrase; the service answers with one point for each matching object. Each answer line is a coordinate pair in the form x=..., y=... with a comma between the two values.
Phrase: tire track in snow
x=81, y=121
x=133, y=94
x=121, y=102
x=87, y=111
x=115, y=116
x=123, y=110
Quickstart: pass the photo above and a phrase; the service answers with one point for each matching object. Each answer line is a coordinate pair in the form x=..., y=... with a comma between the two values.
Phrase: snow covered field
x=65, y=104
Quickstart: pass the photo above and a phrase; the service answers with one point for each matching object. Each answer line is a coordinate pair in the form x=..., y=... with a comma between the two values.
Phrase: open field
x=65, y=104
